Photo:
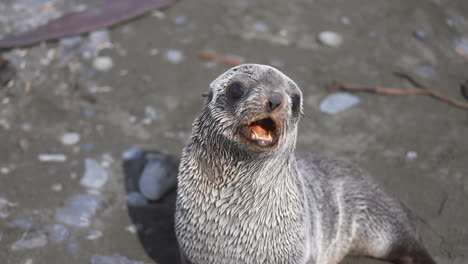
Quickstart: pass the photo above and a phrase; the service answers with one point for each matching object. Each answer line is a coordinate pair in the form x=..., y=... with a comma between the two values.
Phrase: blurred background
x=82, y=117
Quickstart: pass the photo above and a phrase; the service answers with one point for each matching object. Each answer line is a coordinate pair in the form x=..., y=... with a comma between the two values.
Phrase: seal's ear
x=208, y=96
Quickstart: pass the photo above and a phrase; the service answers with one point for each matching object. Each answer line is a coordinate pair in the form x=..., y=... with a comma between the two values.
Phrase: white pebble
x=174, y=56
x=103, y=64
x=94, y=234
x=5, y=170
x=337, y=102
x=69, y=139
x=411, y=155
x=57, y=187
x=95, y=175
x=330, y=39
x=30, y=240
x=52, y=157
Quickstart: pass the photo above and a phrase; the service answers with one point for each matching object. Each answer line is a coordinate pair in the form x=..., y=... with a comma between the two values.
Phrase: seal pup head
x=255, y=106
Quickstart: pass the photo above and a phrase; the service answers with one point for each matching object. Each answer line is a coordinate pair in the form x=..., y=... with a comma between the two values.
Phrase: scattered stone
x=52, y=157
x=420, y=34
x=113, y=259
x=330, y=39
x=5, y=124
x=59, y=233
x=159, y=176
x=94, y=234
x=97, y=41
x=70, y=42
x=23, y=224
x=180, y=20
x=154, y=52
x=135, y=199
x=29, y=261
x=131, y=228
x=80, y=211
x=345, y=20
x=260, y=27
x=26, y=127
x=95, y=175
x=5, y=170
x=58, y=187
x=158, y=14
x=411, y=155
x=30, y=240
x=69, y=139
x=337, y=102
x=88, y=112
x=5, y=206
x=132, y=153
x=103, y=64
x=174, y=56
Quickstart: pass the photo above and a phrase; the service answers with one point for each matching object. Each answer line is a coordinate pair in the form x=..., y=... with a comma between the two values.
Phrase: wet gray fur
x=240, y=204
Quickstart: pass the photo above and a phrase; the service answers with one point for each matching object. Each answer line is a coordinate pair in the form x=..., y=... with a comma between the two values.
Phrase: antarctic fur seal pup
x=244, y=196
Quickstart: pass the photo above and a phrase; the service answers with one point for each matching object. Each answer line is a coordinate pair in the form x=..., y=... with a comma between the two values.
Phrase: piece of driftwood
x=419, y=89
x=106, y=14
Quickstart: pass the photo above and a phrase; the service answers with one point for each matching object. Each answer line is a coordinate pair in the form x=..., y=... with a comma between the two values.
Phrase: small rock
x=337, y=102
x=113, y=259
x=5, y=124
x=103, y=64
x=154, y=52
x=461, y=46
x=29, y=261
x=345, y=20
x=5, y=170
x=52, y=157
x=69, y=139
x=135, y=199
x=70, y=42
x=131, y=228
x=260, y=27
x=30, y=240
x=158, y=176
x=94, y=234
x=180, y=20
x=174, y=56
x=59, y=233
x=5, y=206
x=80, y=211
x=411, y=155
x=26, y=127
x=95, y=175
x=58, y=187
x=420, y=34
x=23, y=224
x=132, y=153
x=330, y=39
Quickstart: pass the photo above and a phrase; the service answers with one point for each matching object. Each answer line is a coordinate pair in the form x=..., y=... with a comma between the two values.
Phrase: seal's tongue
x=260, y=133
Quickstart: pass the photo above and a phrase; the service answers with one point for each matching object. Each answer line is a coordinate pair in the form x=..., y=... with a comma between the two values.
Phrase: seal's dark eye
x=296, y=104
x=235, y=91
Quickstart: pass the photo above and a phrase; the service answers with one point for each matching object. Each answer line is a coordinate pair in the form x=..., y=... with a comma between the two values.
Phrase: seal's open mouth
x=262, y=133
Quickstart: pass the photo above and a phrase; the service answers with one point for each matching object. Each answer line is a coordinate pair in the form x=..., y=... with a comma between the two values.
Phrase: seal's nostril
x=274, y=101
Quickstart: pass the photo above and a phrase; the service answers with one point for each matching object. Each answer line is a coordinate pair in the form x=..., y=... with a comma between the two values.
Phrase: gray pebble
x=59, y=233
x=420, y=34
x=174, y=56
x=30, y=240
x=80, y=210
x=70, y=42
x=95, y=175
x=158, y=176
x=52, y=157
x=23, y=224
x=337, y=102
x=69, y=139
x=5, y=206
x=330, y=39
x=180, y=20
x=103, y=64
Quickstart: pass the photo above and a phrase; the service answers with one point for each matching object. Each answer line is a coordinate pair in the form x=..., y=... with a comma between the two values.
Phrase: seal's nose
x=274, y=101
